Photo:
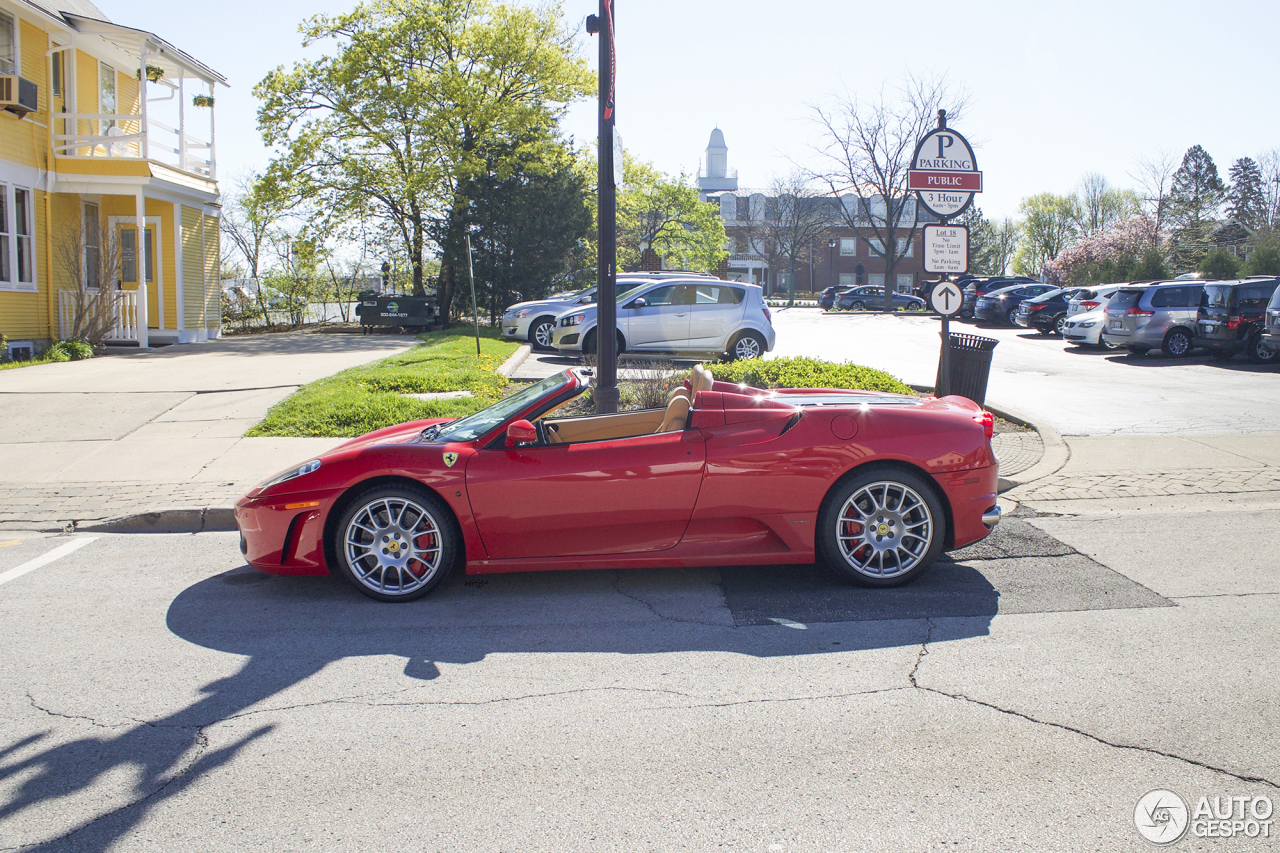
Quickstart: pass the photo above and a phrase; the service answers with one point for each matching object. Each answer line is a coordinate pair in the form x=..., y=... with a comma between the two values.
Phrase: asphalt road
x=163, y=696
x=1080, y=391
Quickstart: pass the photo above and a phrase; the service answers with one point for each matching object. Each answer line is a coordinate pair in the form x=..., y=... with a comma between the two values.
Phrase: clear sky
x=1057, y=88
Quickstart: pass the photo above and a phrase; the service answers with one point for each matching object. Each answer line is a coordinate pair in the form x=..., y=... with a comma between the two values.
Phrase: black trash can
x=970, y=366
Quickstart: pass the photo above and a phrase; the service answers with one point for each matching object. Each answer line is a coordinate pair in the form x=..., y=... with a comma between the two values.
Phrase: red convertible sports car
x=875, y=485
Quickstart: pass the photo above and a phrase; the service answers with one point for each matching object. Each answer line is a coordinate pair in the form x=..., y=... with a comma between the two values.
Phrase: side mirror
x=521, y=432
x=638, y=302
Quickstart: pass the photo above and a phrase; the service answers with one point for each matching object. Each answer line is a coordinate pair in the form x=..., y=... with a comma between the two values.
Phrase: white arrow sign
x=946, y=298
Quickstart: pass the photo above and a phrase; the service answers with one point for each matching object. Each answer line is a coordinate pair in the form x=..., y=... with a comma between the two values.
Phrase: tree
x=1100, y=205
x=1122, y=253
x=1048, y=227
x=991, y=244
x=658, y=212
x=1264, y=259
x=1155, y=178
x=92, y=258
x=1194, y=200
x=527, y=224
x=1246, y=203
x=1269, y=169
x=395, y=120
x=1220, y=264
x=867, y=146
x=793, y=218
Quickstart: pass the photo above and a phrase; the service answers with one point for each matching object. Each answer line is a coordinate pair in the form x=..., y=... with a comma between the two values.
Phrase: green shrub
x=803, y=372
x=1220, y=264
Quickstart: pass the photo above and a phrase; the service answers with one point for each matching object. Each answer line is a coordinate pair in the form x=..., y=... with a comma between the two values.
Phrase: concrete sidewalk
x=85, y=443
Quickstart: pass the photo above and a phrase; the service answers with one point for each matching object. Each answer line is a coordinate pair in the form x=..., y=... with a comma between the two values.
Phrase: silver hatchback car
x=1160, y=315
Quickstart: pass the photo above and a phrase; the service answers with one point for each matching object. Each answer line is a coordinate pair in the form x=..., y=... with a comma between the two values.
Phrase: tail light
x=1039, y=307
x=1089, y=306
x=767, y=314
x=1138, y=312
x=1233, y=321
x=988, y=422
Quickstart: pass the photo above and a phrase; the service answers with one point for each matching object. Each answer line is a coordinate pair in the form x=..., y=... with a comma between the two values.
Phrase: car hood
x=588, y=310
x=550, y=304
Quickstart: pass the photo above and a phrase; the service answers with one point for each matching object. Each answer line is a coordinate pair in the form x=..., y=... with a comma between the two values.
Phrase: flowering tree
x=1125, y=251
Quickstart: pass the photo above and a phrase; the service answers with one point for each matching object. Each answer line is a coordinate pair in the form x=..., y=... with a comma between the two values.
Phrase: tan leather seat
x=700, y=381
x=677, y=414
x=678, y=391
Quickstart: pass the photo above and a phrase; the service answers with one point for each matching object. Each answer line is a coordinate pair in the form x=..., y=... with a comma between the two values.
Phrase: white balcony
x=93, y=136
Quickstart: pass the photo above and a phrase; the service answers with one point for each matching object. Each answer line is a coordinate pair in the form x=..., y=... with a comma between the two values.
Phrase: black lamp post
x=831, y=259
x=606, y=385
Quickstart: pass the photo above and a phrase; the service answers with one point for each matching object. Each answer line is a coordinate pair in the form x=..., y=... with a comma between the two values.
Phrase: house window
x=848, y=248
x=106, y=95
x=55, y=81
x=848, y=279
x=906, y=282
x=876, y=279
x=8, y=46
x=92, y=239
x=877, y=248
x=17, y=251
x=22, y=225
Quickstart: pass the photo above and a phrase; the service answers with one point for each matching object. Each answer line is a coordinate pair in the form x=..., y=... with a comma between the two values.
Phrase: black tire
x=746, y=345
x=540, y=332
x=1258, y=354
x=589, y=343
x=857, y=306
x=843, y=542
x=1177, y=343
x=1012, y=316
x=422, y=538
x=1059, y=324
x=914, y=306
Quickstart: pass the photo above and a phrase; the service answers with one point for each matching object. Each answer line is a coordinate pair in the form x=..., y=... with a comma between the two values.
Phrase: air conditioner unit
x=17, y=95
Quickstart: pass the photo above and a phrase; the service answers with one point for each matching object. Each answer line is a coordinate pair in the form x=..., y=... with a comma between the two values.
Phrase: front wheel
x=541, y=331
x=396, y=543
x=746, y=345
x=1060, y=325
x=1012, y=316
x=914, y=306
x=1258, y=354
x=881, y=527
x=589, y=343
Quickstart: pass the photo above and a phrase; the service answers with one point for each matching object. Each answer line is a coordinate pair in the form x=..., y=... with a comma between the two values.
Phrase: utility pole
x=606, y=386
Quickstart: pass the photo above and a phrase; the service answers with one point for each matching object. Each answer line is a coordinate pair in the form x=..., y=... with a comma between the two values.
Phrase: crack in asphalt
x=960, y=697
x=617, y=581
x=780, y=699
x=501, y=699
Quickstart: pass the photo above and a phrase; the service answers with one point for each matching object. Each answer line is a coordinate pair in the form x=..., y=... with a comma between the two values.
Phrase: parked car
x=1160, y=315
x=696, y=315
x=973, y=288
x=1232, y=317
x=514, y=488
x=871, y=296
x=1092, y=298
x=1271, y=337
x=1046, y=313
x=827, y=298
x=533, y=321
x=1085, y=328
x=1001, y=306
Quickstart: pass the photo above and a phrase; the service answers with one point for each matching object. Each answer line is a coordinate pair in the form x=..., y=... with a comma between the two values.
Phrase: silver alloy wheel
x=747, y=346
x=542, y=334
x=1061, y=325
x=1179, y=343
x=884, y=529
x=392, y=545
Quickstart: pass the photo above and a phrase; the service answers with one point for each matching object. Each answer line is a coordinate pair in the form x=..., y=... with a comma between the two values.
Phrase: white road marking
x=785, y=623
x=57, y=553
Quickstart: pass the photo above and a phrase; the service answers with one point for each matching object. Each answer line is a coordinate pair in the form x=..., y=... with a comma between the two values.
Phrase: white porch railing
x=122, y=313
x=82, y=137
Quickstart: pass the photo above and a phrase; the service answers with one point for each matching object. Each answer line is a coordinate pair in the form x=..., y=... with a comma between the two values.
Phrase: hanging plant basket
x=155, y=73
x=202, y=101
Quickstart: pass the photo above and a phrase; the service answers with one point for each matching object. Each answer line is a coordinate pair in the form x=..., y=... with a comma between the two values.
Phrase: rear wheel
x=1258, y=354
x=1060, y=325
x=746, y=345
x=396, y=543
x=914, y=306
x=1012, y=316
x=589, y=343
x=1177, y=343
x=882, y=527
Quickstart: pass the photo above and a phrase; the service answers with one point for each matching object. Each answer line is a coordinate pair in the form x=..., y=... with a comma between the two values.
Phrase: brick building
x=841, y=256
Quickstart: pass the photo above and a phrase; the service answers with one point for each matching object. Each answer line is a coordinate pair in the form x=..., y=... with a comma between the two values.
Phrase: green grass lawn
x=371, y=397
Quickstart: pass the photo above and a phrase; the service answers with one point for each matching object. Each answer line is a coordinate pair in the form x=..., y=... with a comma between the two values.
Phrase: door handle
x=682, y=314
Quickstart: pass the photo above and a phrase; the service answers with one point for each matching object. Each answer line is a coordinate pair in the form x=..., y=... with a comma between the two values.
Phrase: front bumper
x=284, y=534
x=569, y=338
x=1271, y=339
x=516, y=329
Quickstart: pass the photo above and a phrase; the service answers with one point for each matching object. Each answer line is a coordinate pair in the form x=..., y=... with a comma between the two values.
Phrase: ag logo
x=393, y=307
x=450, y=458
x=1161, y=817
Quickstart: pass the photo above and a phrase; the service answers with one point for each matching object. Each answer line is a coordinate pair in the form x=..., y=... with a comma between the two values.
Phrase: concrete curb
x=205, y=520
x=1056, y=451
x=512, y=364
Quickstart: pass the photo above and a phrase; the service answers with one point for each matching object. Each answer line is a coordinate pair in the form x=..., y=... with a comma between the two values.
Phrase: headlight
x=293, y=473
x=522, y=314
x=1088, y=325
x=574, y=320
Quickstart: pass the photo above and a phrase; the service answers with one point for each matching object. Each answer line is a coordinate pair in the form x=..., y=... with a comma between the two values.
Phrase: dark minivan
x=1233, y=317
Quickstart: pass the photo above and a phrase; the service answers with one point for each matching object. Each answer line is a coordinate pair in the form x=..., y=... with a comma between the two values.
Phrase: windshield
x=1216, y=296
x=473, y=426
x=635, y=291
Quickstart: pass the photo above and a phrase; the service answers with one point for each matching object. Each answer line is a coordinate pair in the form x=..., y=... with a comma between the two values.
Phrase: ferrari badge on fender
x=450, y=458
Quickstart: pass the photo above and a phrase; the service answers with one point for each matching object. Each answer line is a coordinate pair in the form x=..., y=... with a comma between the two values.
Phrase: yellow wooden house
x=104, y=127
